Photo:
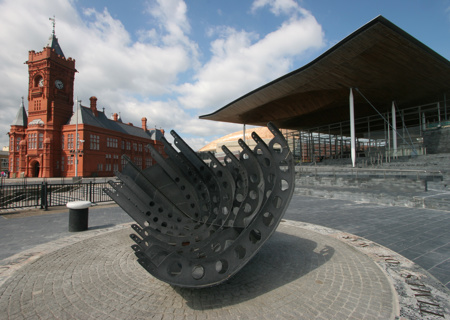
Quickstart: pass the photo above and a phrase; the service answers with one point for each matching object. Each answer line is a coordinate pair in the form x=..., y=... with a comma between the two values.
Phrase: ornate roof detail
x=21, y=117
x=53, y=40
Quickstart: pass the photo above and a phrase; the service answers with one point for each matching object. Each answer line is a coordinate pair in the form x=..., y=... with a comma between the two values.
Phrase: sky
x=174, y=60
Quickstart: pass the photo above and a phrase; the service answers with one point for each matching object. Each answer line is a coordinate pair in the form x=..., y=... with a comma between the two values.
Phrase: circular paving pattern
x=298, y=274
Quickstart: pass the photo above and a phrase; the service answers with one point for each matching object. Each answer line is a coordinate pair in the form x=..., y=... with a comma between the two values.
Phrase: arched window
x=38, y=81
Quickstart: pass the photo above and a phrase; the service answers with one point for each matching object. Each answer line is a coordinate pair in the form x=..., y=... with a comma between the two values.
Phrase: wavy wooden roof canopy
x=381, y=60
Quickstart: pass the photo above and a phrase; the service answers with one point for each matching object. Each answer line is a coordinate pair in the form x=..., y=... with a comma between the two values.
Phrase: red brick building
x=43, y=142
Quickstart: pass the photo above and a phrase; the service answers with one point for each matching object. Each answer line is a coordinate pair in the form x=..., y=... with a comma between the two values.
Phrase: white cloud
x=278, y=7
x=242, y=62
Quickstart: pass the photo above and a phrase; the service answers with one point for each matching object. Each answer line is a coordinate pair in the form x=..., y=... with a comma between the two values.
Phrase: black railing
x=46, y=195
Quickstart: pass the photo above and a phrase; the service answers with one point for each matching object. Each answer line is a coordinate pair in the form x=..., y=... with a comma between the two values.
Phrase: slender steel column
x=352, y=127
x=394, y=130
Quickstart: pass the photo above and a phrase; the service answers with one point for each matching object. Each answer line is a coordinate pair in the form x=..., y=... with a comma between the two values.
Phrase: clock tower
x=50, y=85
x=50, y=106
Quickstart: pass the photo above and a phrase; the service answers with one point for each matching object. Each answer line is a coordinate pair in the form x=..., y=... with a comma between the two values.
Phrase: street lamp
x=76, y=138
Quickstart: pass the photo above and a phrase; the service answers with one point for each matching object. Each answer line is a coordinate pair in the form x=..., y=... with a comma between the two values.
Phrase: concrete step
x=430, y=199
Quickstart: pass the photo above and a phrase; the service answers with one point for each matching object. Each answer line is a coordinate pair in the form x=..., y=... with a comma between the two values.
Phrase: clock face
x=59, y=84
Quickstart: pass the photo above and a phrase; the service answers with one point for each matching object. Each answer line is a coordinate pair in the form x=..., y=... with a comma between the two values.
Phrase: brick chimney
x=94, y=105
x=115, y=116
x=144, y=124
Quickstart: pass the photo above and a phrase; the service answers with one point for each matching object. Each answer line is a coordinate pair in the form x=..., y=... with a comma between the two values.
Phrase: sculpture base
x=298, y=274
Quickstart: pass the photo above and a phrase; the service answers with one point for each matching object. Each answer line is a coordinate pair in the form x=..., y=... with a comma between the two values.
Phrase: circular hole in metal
x=148, y=213
x=152, y=203
x=277, y=201
x=252, y=194
x=177, y=179
x=254, y=178
x=270, y=178
x=160, y=209
x=247, y=208
x=245, y=156
x=216, y=247
x=188, y=196
x=221, y=266
x=284, y=185
x=277, y=147
x=283, y=165
x=239, y=197
x=198, y=272
x=220, y=173
x=192, y=205
x=239, y=251
x=155, y=219
x=259, y=151
x=268, y=219
x=267, y=162
x=164, y=224
x=174, y=269
x=183, y=187
x=146, y=223
x=255, y=236
x=225, y=210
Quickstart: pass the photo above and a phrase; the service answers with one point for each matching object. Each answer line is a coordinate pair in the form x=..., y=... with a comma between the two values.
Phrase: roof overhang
x=381, y=60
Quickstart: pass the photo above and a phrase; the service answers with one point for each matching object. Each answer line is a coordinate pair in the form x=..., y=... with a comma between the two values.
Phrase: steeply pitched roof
x=21, y=117
x=86, y=117
x=54, y=44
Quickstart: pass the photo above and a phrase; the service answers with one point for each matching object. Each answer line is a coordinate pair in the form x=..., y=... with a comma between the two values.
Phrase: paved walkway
x=421, y=235
x=304, y=271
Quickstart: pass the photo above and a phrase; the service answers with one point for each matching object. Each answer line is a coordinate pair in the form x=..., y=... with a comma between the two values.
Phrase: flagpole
x=76, y=140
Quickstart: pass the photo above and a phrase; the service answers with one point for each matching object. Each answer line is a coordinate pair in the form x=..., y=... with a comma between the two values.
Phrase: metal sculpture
x=198, y=223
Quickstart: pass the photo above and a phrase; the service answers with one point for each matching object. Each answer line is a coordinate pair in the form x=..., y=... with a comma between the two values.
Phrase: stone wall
x=437, y=140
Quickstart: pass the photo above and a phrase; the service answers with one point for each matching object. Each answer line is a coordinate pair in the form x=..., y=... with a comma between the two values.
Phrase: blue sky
x=173, y=60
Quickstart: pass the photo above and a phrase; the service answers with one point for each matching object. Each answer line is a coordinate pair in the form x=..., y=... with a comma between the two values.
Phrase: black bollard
x=78, y=215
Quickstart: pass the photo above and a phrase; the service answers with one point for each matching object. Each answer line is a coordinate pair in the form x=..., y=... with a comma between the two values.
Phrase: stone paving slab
x=420, y=295
x=298, y=274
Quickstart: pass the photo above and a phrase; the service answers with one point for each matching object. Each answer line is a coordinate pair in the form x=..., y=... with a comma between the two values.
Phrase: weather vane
x=53, y=20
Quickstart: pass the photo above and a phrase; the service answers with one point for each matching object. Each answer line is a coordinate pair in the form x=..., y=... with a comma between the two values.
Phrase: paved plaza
x=329, y=259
